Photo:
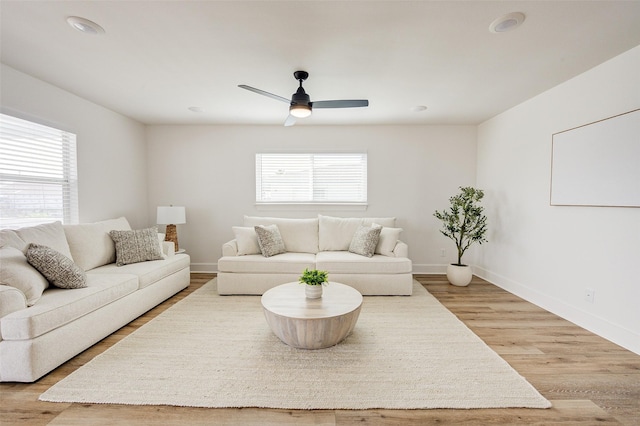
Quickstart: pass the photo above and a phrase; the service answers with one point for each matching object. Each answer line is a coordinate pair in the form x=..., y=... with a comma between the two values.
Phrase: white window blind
x=38, y=177
x=304, y=178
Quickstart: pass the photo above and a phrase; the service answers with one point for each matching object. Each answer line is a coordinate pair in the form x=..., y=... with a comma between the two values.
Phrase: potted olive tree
x=313, y=280
x=465, y=223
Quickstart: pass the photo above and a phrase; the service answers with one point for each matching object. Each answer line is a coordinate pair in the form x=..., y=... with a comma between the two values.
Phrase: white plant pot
x=313, y=291
x=459, y=275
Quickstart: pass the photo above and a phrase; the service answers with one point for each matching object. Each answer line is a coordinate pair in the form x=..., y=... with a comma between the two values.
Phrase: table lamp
x=171, y=216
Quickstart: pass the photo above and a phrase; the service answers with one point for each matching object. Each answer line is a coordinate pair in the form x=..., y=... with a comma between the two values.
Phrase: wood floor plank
x=588, y=379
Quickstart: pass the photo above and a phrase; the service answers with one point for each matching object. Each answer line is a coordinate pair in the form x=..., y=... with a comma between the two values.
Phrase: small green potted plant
x=465, y=224
x=314, y=279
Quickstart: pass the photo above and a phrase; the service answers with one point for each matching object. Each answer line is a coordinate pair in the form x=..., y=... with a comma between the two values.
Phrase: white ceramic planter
x=313, y=291
x=459, y=275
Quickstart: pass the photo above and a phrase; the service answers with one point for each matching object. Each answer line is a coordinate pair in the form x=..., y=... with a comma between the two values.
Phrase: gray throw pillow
x=57, y=268
x=365, y=240
x=136, y=246
x=269, y=240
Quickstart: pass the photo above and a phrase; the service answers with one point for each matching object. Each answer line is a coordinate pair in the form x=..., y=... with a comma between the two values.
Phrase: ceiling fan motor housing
x=300, y=97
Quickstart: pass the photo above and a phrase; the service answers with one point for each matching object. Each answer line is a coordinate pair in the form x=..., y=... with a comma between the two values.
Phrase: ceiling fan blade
x=290, y=121
x=346, y=103
x=262, y=92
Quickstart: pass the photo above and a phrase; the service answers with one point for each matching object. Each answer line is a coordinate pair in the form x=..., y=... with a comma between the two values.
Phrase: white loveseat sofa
x=42, y=327
x=315, y=243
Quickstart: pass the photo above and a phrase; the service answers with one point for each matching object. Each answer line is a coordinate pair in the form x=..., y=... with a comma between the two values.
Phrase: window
x=311, y=178
x=38, y=178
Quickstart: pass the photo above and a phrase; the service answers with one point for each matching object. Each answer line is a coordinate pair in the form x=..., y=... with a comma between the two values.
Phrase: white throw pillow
x=247, y=240
x=90, y=243
x=16, y=272
x=387, y=242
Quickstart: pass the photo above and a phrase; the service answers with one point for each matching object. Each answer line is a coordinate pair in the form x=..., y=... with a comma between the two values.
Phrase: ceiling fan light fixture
x=300, y=111
x=507, y=22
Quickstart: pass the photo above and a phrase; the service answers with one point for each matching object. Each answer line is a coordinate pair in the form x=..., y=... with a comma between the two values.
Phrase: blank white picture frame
x=598, y=164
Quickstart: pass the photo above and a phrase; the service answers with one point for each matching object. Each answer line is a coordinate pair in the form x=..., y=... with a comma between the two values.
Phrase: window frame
x=60, y=168
x=312, y=203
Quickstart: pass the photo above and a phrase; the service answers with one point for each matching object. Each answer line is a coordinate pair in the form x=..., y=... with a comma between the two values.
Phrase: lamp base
x=171, y=234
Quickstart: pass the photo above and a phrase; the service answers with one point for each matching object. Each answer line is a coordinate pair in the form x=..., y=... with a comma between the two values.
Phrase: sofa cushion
x=389, y=237
x=246, y=240
x=16, y=272
x=135, y=246
x=336, y=233
x=349, y=263
x=48, y=234
x=90, y=243
x=148, y=273
x=269, y=240
x=286, y=263
x=365, y=240
x=57, y=268
x=9, y=237
x=298, y=235
x=59, y=307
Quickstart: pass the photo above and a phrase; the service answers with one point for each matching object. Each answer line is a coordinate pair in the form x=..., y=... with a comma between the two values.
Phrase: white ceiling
x=158, y=58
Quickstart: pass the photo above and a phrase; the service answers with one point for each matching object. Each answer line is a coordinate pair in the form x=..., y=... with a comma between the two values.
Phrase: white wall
x=412, y=171
x=111, y=148
x=550, y=255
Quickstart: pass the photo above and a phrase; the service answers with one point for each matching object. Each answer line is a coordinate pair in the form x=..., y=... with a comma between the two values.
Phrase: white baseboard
x=426, y=269
x=615, y=333
x=204, y=268
x=429, y=269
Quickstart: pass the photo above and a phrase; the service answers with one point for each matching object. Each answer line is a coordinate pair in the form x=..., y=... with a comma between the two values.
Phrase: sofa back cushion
x=298, y=235
x=10, y=238
x=48, y=234
x=90, y=243
x=336, y=233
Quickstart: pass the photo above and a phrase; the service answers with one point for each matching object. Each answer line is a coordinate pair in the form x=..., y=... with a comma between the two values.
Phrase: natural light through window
x=311, y=178
x=38, y=177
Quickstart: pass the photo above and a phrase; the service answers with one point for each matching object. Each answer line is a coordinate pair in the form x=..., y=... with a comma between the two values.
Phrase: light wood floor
x=588, y=379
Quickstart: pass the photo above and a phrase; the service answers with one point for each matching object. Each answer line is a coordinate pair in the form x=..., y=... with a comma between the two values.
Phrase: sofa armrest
x=401, y=249
x=230, y=248
x=168, y=248
x=11, y=300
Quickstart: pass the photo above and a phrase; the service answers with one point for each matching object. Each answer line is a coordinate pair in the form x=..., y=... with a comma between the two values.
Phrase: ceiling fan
x=300, y=105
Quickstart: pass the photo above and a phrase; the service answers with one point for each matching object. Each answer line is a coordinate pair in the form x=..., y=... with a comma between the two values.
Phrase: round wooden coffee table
x=311, y=323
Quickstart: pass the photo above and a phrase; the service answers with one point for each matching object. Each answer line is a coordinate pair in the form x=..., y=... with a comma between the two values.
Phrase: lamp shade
x=171, y=215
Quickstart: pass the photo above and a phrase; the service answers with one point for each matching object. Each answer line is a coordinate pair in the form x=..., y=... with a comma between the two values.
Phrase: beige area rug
x=218, y=351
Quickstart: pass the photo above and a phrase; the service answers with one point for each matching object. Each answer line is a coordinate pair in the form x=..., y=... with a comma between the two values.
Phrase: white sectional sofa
x=321, y=243
x=42, y=327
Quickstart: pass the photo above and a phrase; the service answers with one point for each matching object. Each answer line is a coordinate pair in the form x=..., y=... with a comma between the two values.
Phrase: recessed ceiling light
x=196, y=109
x=507, y=22
x=84, y=25
x=418, y=108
